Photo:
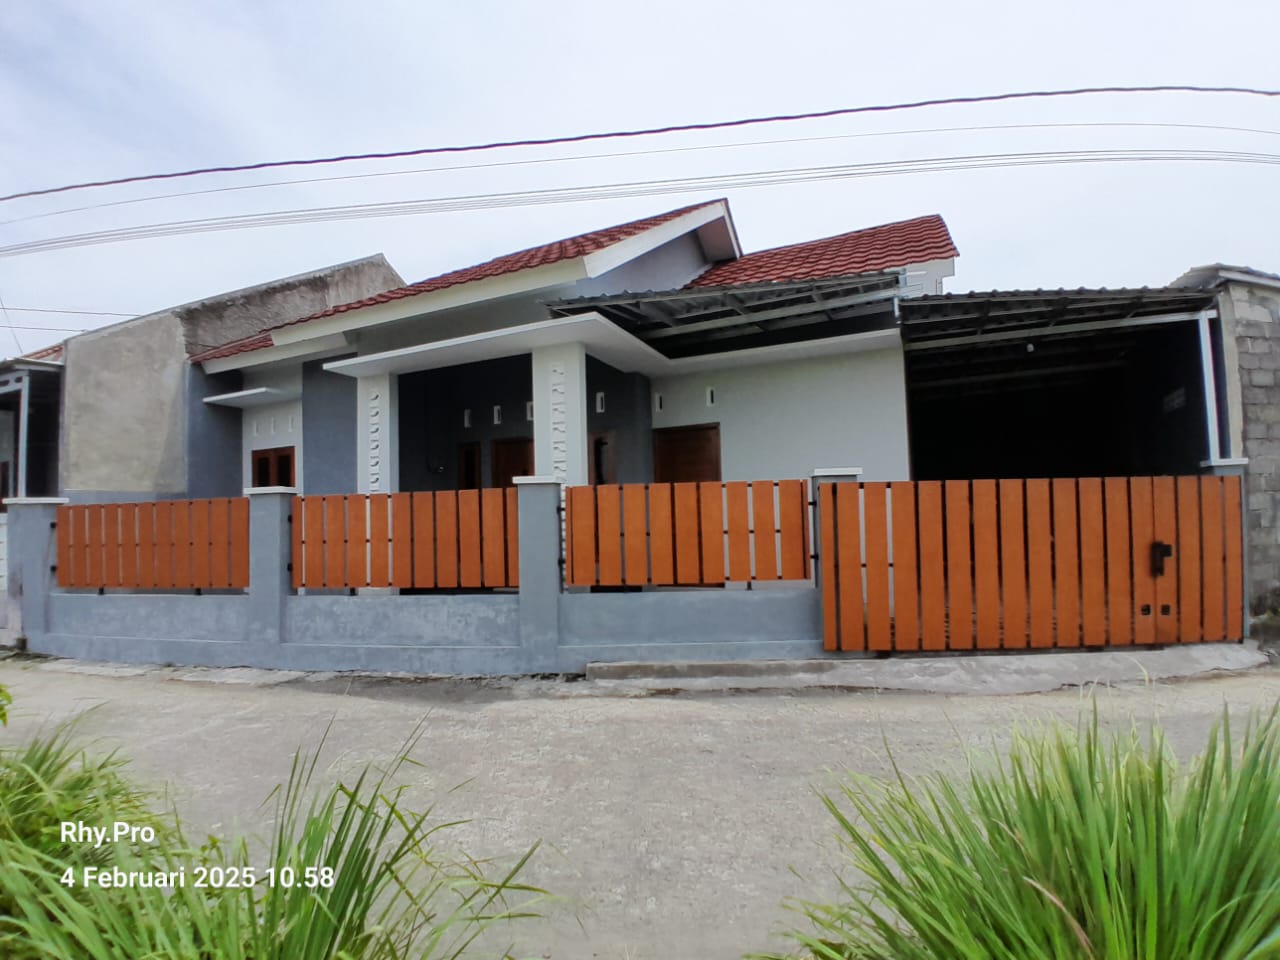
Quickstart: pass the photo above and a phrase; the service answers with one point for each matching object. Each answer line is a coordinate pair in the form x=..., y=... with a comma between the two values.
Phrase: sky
x=90, y=91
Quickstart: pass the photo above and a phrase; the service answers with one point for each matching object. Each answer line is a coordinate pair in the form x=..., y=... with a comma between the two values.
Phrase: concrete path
x=670, y=823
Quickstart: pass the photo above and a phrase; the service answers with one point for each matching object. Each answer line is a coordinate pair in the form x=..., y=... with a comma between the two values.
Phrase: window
x=273, y=467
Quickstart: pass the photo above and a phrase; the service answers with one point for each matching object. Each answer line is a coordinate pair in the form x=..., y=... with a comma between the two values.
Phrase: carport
x=1065, y=383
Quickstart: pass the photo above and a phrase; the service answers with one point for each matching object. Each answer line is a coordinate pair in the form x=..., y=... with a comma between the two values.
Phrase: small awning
x=254, y=397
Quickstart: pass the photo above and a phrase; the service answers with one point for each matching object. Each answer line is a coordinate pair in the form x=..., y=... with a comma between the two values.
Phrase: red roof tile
x=568, y=249
x=53, y=354
x=862, y=251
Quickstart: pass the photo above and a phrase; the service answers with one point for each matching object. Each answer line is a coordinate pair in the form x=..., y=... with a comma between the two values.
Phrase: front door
x=511, y=458
x=686, y=454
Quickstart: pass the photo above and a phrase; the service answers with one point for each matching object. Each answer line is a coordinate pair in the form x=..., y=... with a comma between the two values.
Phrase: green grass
x=1075, y=845
x=394, y=894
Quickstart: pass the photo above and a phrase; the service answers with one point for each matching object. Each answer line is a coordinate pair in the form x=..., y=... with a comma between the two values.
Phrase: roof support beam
x=1029, y=332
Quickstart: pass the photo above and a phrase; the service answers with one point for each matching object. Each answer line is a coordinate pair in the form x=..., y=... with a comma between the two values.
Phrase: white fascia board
x=602, y=339
x=461, y=295
x=624, y=251
x=1235, y=276
x=308, y=349
x=779, y=353
x=253, y=397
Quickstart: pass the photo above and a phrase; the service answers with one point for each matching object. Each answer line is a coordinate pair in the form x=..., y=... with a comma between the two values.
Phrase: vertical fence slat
x=581, y=507
x=1119, y=585
x=959, y=566
x=738, y=519
x=1040, y=563
x=1093, y=563
x=180, y=544
x=1234, y=546
x=200, y=543
x=688, y=553
x=711, y=524
x=94, y=543
x=609, y=534
x=77, y=534
x=446, y=516
x=129, y=545
x=356, y=536
x=933, y=585
x=379, y=540
x=661, y=544
x=220, y=542
x=146, y=546
x=63, y=539
x=469, y=538
x=1066, y=563
x=635, y=539
x=512, y=501
x=110, y=545
x=1013, y=564
x=401, y=540
x=764, y=524
x=298, y=552
x=827, y=558
x=1190, y=629
x=986, y=564
x=164, y=544
x=314, y=514
x=239, y=545
x=1165, y=529
x=791, y=529
x=875, y=510
x=1213, y=561
x=1144, y=582
x=335, y=541
x=424, y=539
x=493, y=540
x=906, y=598
x=849, y=567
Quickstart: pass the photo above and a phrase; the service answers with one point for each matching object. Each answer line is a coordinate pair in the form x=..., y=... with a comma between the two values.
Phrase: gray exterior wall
x=1250, y=317
x=133, y=421
x=328, y=430
x=627, y=415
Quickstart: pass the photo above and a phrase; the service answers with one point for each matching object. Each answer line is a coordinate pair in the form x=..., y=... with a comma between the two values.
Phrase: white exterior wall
x=781, y=421
x=272, y=425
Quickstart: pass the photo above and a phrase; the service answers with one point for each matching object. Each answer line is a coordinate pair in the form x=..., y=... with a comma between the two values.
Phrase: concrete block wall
x=1251, y=320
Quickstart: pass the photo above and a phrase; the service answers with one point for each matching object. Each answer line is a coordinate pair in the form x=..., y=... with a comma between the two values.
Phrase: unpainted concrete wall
x=1251, y=324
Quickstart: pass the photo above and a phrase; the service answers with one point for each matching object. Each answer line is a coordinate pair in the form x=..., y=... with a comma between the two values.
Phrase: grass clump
x=367, y=881
x=1075, y=845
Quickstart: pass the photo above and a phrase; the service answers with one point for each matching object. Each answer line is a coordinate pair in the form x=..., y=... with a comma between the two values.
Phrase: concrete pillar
x=539, y=518
x=820, y=476
x=32, y=563
x=378, y=433
x=270, y=548
x=560, y=413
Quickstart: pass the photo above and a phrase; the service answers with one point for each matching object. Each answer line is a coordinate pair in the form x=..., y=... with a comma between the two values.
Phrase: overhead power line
x=633, y=189
x=85, y=313
x=539, y=161
x=648, y=132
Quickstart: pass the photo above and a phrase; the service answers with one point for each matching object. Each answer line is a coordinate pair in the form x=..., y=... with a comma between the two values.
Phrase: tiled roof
x=862, y=251
x=53, y=354
x=568, y=249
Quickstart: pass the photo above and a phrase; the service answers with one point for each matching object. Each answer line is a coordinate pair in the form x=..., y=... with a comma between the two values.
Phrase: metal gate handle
x=1160, y=552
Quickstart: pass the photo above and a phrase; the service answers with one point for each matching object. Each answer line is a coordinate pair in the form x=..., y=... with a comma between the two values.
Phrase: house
x=548, y=457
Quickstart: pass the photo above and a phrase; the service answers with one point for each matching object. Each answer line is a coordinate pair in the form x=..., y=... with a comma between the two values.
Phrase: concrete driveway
x=670, y=824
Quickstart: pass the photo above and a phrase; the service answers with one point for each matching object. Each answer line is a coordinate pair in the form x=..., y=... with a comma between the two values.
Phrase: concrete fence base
x=538, y=629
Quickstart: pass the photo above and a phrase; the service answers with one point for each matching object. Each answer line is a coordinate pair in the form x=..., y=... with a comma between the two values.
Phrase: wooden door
x=687, y=454
x=511, y=458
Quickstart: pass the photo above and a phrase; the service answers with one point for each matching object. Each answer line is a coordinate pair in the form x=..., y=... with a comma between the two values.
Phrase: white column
x=560, y=413
x=378, y=434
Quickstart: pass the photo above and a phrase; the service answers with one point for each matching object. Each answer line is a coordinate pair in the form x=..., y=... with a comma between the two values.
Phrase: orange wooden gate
x=1017, y=564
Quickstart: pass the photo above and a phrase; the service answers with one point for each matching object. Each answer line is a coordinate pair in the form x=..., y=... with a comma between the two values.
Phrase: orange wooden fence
x=164, y=545
x=987, y=564
x=686, y=533
x=447, y=539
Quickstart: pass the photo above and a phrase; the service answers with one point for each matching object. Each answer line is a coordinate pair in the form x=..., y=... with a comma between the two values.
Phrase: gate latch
x=1160, y=552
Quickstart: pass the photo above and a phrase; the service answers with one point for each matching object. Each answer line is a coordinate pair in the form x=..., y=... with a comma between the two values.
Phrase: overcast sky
x=93, y=90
